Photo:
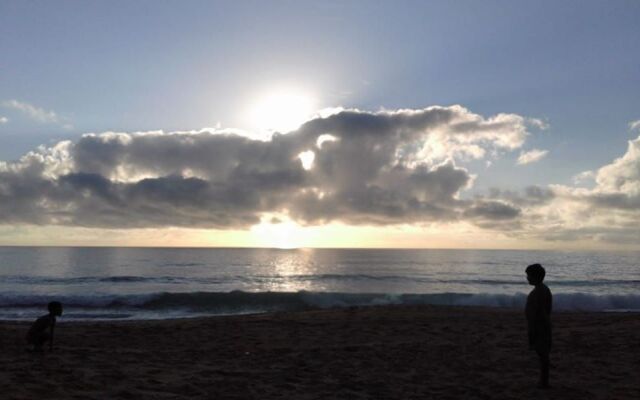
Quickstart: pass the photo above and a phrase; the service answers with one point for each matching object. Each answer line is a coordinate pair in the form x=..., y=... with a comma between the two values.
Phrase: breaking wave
x=172, y=305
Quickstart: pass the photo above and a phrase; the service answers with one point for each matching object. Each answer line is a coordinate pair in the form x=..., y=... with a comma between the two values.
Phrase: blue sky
x=168, y=65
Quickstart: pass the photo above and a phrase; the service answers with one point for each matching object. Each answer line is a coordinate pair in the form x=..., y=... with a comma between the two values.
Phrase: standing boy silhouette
x=38, y=335
x=538, y=312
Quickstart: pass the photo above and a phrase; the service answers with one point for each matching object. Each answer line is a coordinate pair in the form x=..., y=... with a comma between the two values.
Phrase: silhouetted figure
x=538, y=312
x=42, y=329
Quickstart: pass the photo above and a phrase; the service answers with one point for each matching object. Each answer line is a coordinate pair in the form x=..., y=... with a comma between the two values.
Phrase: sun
x=282, y=110
x=284, y=234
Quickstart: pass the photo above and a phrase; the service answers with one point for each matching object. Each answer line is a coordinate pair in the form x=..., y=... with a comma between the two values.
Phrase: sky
x=422, y=124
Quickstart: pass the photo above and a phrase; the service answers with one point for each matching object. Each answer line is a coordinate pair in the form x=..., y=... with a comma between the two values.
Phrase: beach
x=387, y=352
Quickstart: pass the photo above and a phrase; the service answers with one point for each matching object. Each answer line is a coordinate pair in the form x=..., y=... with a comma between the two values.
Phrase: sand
x=387, y=352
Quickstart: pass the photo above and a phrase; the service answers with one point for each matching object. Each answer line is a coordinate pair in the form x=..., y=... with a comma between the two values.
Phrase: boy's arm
x=546, y=308
x=532, y=336
x=532, y=316
x=53, y=325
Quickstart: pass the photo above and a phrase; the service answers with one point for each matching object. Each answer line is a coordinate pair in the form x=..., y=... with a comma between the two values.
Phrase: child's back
x=39, y=327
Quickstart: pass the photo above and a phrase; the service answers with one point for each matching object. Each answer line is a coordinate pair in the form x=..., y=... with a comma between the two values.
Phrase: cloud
x=623, y=174
x=37, y=114
x=531, y=156
x=357, y=167
x=538, y=123
x=583, y=177
x=4, y=120
x=608, y=212
x=530, y=196
x=633, y=125
x=493, y=211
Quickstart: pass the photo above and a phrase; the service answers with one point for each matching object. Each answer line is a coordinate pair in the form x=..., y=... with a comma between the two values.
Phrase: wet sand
x=387, y=352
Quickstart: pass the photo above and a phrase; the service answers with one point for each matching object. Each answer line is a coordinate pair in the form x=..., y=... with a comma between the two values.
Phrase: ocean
x=158, y=283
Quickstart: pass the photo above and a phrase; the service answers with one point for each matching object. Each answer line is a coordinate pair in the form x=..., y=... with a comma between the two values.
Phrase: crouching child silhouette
x=42, y=329
x=538, y=312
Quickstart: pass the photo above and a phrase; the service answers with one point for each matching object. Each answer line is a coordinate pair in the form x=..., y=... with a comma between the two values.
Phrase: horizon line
x=314, y=248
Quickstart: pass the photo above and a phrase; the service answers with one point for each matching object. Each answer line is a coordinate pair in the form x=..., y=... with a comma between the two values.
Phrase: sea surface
x=151, y=283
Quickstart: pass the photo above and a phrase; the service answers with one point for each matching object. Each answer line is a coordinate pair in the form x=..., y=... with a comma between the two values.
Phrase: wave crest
x=211, y=303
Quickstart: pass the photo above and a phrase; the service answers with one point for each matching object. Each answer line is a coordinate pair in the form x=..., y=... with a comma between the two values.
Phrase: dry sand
x=424, y=352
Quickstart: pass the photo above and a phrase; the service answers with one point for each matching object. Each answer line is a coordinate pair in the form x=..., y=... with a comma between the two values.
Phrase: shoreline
x=391, y=352
x=204, y=318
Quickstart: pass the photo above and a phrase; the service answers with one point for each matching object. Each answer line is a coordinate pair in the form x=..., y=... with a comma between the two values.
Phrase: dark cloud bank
x=368, y=168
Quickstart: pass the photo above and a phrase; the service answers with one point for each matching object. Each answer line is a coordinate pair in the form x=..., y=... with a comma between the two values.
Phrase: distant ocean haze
x=149, y=283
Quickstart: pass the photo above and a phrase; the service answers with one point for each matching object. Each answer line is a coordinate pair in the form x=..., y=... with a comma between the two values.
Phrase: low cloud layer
x=354, y=167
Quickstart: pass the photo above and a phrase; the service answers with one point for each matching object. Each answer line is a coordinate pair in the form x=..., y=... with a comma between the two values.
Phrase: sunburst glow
x=281, y=111
x=283, y=235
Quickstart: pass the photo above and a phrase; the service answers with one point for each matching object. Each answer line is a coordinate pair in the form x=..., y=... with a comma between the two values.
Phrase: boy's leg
x=40, y=340
x=544, y=368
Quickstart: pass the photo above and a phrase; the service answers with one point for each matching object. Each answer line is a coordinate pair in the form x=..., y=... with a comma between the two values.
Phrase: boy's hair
x=54, y=306
x=536, y=271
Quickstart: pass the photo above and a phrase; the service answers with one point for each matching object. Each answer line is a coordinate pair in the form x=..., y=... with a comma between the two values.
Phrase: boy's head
x=535, y=274
x=55, y=308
